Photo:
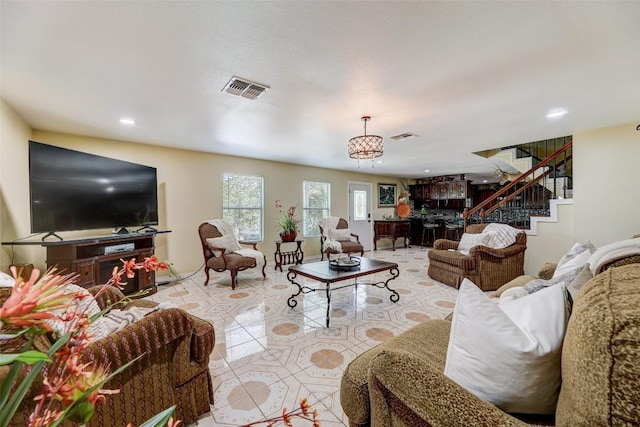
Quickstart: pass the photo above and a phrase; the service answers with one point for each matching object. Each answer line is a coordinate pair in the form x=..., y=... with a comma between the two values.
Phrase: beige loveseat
x=401, y=382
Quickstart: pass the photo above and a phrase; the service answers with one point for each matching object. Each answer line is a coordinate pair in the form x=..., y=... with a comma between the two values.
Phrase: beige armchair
x=488, y=268
x=348, y=246
x=222, y=252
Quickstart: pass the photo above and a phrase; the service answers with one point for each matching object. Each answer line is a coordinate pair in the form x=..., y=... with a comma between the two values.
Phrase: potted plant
x=288, y=223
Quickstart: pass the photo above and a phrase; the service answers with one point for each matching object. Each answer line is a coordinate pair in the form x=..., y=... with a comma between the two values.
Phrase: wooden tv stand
x=90, y=258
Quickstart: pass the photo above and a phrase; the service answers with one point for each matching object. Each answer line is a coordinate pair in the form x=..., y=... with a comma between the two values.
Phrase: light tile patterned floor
x=268, y=356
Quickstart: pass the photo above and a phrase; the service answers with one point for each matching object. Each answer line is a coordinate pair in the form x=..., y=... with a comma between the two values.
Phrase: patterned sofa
x=401, y=382
x=175, y=348
x=488, y=268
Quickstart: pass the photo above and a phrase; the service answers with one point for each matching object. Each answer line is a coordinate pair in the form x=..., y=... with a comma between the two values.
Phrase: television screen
x=72, y=190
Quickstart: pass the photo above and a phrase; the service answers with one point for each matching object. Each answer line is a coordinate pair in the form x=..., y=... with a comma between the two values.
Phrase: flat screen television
x=72, y=190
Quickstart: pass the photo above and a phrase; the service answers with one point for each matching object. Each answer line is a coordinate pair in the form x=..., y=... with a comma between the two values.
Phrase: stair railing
x=528, y=184
x=493, y=203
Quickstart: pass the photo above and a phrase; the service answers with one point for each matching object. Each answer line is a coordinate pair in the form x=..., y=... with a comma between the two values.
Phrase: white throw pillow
x=228, y=242
x=508, y=354
x=577, y=257
x=87, y=304
x=340, y=235
x=469, y=240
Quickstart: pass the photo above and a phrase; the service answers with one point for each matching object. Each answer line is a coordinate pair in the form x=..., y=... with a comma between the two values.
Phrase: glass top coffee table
x=332, y=272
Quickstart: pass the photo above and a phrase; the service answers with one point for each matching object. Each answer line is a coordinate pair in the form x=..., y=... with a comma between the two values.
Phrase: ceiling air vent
x=244, y=88
x=404, y=136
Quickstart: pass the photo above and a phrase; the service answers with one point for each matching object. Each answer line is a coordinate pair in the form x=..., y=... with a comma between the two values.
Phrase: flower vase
x=288, y=236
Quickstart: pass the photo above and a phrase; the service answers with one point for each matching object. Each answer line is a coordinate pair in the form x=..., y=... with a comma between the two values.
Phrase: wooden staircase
x=529, y=194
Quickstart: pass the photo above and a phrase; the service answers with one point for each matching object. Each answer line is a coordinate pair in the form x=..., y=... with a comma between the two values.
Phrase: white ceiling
x=464, y=76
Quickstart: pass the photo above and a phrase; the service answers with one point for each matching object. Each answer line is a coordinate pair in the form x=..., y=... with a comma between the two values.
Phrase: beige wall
x=190, y=191
x=607, y=191
x=14, y=187
x=551, y=241
x=606, y=196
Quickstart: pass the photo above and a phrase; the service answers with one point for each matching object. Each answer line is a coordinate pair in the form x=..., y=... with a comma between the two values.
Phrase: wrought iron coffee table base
x=292, y=275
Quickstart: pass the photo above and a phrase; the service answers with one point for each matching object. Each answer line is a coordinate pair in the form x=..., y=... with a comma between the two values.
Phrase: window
x=317, y=196
x=243, y=204
x=359, y=205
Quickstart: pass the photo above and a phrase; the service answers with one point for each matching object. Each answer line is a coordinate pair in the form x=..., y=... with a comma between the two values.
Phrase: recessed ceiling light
x=127, y=122
x=379, y=162
x=484, y=180
x=556, y=113
x=427, y=170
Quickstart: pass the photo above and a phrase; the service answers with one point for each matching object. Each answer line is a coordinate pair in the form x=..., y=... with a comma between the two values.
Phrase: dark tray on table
x=345, y=264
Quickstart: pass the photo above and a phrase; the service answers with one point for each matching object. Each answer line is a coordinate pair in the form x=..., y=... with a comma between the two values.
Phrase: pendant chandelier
x=365, y=147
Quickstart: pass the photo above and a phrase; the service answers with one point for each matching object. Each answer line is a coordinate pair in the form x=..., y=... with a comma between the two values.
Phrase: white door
x=360, y=205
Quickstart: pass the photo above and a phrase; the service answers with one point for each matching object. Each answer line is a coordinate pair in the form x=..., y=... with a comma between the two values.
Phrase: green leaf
x=8, y=410
x=81, y=413
x=5, y=389
x=159, y=420
x=29, y=357
x=81, y=399
x=7, y=384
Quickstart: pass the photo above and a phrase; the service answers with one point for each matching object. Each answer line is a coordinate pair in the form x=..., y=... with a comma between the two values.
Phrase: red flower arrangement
x=305, y=411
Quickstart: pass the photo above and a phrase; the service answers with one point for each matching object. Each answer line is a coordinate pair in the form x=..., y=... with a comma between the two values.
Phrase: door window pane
x=359, y=205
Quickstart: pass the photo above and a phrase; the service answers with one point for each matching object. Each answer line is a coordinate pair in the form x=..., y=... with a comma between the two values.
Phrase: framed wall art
x=387, y=195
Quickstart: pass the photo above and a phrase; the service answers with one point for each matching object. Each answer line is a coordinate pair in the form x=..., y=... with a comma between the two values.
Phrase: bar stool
x=429, y=224
x=452, y=228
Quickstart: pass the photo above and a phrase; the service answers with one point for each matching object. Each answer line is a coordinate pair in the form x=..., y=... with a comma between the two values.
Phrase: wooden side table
x=288, y=257
x=391, y=229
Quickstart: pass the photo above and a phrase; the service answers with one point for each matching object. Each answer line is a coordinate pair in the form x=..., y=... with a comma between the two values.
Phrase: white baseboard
x=553, y=215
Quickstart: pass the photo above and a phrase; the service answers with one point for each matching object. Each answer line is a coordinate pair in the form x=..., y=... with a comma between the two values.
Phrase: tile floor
x=268, y=356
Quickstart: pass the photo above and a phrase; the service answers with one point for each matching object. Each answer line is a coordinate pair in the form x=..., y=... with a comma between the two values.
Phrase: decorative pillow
x=508, y=354
x=88, y=304
x=566, y=278
x=6, y=281
x=576, y=284
x=469, y=240
x=539, y=284
x=502, y=235
x=228, y=242
x=577, y=257
x=340, y=235
x=518, y=282
x=512, y=294
x=547, y=270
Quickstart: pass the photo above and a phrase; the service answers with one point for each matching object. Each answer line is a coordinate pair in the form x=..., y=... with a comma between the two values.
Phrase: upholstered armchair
x=488, y=268
x=173, y=366
x=336, y=238
x=223, y=252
